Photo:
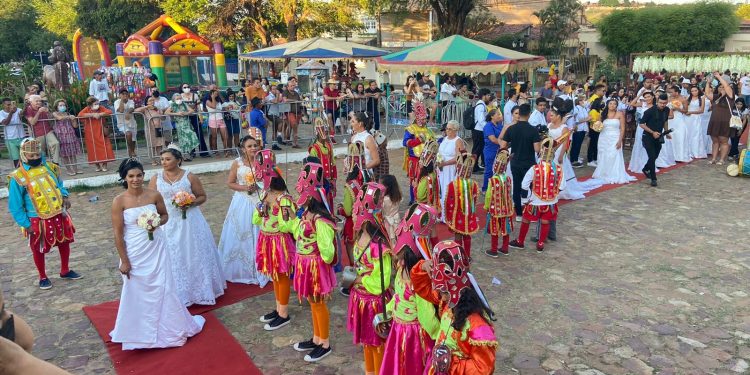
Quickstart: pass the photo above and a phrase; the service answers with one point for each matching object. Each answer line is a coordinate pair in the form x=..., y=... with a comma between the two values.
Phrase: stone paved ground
x=640, y=281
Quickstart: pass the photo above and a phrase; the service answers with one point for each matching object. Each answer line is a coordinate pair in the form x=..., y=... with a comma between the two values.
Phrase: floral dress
x=69, y=144
x=186, y=137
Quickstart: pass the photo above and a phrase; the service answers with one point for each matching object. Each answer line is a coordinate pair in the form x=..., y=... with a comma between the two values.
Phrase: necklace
x=170, y=180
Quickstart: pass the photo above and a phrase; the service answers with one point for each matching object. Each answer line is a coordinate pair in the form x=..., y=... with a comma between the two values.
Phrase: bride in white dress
x=193, y=254
x=610, y=162
x=696, y=135
x=239, y=236
x=150, y=313
x=678, y=124
x=574, y=189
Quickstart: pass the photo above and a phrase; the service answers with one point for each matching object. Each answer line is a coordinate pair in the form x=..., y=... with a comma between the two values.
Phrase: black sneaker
x=491, y=253
x=577, y=164
x=319, y=353
x=71, y=275
x=277, y=323
x=45, y=284
x=275, y=147
x=516, y=245
x=269, y=317
x=653, y=183
x=304, y=346
x=344, y=292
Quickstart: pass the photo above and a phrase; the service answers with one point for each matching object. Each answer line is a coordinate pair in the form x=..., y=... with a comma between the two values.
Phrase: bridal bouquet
x=250, y=180
x=182, y=200
x=149, y=221
x=597, y=126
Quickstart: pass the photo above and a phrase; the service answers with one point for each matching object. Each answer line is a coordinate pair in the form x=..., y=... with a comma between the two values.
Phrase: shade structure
x=457, y=54
x=317, y=48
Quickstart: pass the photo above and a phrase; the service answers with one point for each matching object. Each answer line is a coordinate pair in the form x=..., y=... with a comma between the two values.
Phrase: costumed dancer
x=498, y=202
x=356, y=176
x=466, y=342
x=413, y=322
x=38, y=202
x=373, y=264
x=428, y=184
x=275, y=249
x=544, y=180
x=415, y=136
x=460, y=202
x=314, y=278
x=323, y=150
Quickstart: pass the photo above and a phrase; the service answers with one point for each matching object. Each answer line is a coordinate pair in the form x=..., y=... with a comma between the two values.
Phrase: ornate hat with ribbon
x=429, y=152
x=418, y=221
x=29, y=146
x=308, y=183
x=355, y=156
x=464, y=164
x=265, y=167
x=501, y=162
x=450, y=270
x=368, y=204
x=547, y=151
x=321, y=128
x=420, y=112
x=256, y=134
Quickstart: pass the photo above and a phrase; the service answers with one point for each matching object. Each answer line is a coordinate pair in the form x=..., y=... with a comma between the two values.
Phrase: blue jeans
x=489, y=160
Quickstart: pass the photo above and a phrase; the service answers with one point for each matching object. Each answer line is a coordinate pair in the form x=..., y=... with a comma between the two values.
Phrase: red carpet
x=213, y=351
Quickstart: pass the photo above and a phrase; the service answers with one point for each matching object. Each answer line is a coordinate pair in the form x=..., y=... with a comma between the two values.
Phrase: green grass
x=83, y=188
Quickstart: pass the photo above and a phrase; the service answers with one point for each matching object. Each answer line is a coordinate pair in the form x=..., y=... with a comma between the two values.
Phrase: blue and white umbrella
x=315, y=48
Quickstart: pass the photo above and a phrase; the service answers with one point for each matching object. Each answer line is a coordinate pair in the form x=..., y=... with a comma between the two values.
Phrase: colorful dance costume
x=428, y=187
x=354, y=161
x=414, y=322
x=415, y=229
x=35, y=200
x=415, y=136
x=373, y=264
x=498, y=202
x=323, y=150
x=314, y=278
x=544, y=180
x=470, y=350
x=460, y=202
x=275, y=249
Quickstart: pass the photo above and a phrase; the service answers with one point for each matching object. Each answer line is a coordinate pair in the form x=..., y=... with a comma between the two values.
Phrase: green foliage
x=609, y=3
x=75, y=96
x=479, y=20
x=505, y=40
x=559, y=20
x=56, y=16
x=19, y=35
x=114, y=20
x=743, y=11
x=451, y=15
x=668, y=29
x=609, y=68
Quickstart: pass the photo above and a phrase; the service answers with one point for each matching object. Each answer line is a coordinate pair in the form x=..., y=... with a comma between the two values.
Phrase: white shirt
x=122, y=122
x=480, y=113
x=537, y=118
x=745, y=89
x=579, y=114
x=570, y=122
x=508, y=111
x=14, y=130
x=446, y=91
x=362, y=137
x=99, y=89
x=533, y=199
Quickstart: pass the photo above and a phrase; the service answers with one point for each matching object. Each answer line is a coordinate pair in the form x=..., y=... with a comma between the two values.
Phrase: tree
x=558, y=21
x=376, y=8
x=665, y=28
x=451, y=15
x=609, y=3
x=743, y=11
x=114, y=20
x=19, y=34
x=479, y=20
x=56, y=16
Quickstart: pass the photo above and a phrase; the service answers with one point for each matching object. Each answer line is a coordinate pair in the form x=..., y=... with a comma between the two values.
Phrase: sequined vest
x=41, y=185
x=547, y=179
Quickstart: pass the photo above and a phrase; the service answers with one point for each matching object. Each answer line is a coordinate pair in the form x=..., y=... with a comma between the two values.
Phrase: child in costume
x=460, y=202
x=275, y=249
x=323, y=150
x=466, y=342
x=414, y=324
x=428, y=186
x=498, y=202
x=356, y=176
x=544, y=180
x=415, y=136
x=314, y=278
x=373, y=264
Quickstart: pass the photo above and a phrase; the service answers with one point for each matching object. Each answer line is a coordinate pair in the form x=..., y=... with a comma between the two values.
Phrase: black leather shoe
x=653, y=183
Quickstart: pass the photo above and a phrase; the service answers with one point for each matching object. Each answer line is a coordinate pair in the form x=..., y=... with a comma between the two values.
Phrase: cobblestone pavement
x=640, y=281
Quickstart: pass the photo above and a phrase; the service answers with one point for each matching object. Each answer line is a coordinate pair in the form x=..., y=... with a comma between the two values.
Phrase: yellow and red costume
x=498, y=202
x=415, y=136
x=460, y=202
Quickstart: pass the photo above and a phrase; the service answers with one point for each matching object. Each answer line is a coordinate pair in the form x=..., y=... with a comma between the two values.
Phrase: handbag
x=735, y=122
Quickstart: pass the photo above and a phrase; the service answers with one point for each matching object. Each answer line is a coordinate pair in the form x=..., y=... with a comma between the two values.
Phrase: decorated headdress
x=501, y=162
x=547, y=152
x=321, y=129
x=368, y=204
x=464, y=164
x=265, y=167
x=256, y=134
x=420, y=112
x=29, y=146
x=355, y=156
x=419, y=220
x=450, y=270
x=429, y=152
x=308, y=183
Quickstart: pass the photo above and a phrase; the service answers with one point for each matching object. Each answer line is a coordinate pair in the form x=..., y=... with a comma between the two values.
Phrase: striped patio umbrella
x=456, y=55
x=314, y=48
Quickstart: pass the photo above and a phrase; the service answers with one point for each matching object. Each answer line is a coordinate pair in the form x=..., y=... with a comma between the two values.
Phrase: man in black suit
x=654, y=123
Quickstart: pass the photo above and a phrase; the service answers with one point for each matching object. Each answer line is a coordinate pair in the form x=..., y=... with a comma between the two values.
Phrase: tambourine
x=733, y=170
x=441, y=359
x=382, y=325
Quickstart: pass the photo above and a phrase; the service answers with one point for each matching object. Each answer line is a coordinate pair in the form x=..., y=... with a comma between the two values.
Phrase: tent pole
x=437, y=97
x=533, y=81
x=502, y=92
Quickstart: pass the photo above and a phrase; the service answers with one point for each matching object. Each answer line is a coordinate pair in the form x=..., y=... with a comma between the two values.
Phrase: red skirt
x=533, y=213
x=51, y=232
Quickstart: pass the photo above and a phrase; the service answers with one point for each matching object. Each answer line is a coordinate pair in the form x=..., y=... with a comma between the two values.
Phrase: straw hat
x=332, y=81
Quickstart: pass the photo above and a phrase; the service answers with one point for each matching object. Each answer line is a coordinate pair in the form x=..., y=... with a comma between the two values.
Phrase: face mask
x=95, y=107
x=178, y=102
x=186, y=90
x=62, y=108
x=8, y=330
x=34, y=162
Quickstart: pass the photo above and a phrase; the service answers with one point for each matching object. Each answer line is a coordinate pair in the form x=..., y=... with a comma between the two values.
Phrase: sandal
x=105, y=169
x=712, y=162
x=719, y=163
x=155, y=164
x=71, y=174
x=98, y=169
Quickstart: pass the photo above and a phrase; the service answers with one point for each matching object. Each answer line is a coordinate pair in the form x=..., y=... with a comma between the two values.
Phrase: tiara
x=175, y=147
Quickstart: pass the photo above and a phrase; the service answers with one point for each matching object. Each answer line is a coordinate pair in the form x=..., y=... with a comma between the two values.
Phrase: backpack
x=469, y=121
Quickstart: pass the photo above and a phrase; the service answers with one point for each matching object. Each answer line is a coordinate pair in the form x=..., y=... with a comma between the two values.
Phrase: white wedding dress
x=239, y=236
x=150, y=314
x=707, y=141
x=574, y=189
x=680, y=143
x=610, y=161
x=193, y=254
x=696, y=136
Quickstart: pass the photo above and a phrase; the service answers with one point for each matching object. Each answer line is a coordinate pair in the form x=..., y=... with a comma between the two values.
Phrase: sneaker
x=504, y=251
x=319, y=353
x=516, y=245
x=71, y=275
x=653, y=183
x=45, y=284
x=344, y=292
x=518, y=219
x=593, y=164
x=269, y=317
x=304, y=346
x=279, y=139
x=333, y=141
x=277, y=323
x=539, y=247
x=275, y=147
x=491, y=253
x=577, y=164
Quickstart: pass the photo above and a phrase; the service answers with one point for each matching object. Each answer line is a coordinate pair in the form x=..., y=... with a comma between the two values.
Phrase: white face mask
x=62, y=108
x=178, y=101
x=95, y=107
x=186, y=90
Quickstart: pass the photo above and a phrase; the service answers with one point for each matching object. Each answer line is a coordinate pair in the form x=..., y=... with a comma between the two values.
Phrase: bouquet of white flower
x=149, y=221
